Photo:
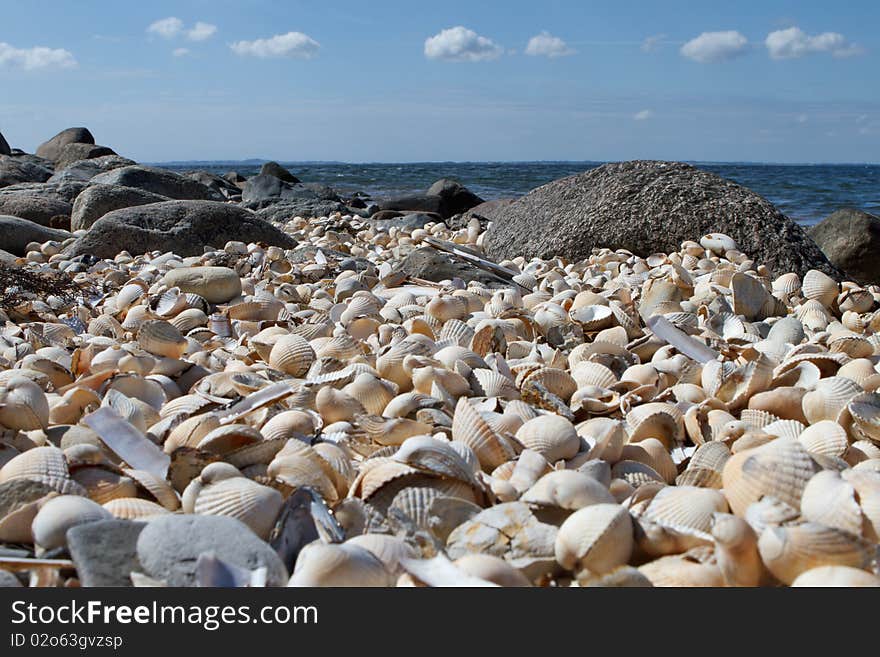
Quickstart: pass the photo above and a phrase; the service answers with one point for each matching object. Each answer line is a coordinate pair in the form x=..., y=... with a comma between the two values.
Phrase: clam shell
x=23, y=405
x=835, y=576
x=255, y=505
x=865, y=412
x=60, y=514
x=320, y=564
x=552, y=436
x=291, y=354
x=469, y=427
x=830, y=500
x=492, y=569
x=825, y=437
x=567, y=489
x=161, y=338
x=779, y=469
x=736, y=550
x=387, y=549
x=695, y=568
x=43, y=464
x=134, y=508
x=790, y=550
x=596, y=538
x=296, y=470
x=829, y=398
x=820, y=287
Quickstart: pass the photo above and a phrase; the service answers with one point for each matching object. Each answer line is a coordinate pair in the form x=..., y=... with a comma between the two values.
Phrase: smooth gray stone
x=105, y=552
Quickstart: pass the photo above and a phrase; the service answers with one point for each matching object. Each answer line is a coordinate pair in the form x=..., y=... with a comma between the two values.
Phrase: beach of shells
x=684, y=419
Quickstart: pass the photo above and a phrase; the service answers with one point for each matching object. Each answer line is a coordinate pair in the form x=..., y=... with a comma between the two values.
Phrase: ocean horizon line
x=256, y=161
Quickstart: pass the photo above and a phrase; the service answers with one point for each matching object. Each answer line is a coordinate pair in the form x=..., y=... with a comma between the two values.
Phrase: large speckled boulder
x=158, y=181
x=97, y=200
x=649, y=207
x=52, y=148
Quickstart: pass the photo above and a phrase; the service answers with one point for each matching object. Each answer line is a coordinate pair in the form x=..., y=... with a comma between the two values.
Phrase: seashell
x=556, y=381
x=596, y=539
x=820, y=287
x=492, y=569
x=191, y=431
x=790, y=550
x=161, y=338
x=436, y=457
x=588, y=373
x=694, y=568
x=291, y=354
x=592, y=318
x=867, y=487
x=656, y=420
x=779, y=469
x=390, y=550
x=752, y=300
x=470, y=428
x=255, y=505
x=61, y=513
x=865, y=411
x=337, y=406
x=103, y=485
x=825, y=437
x=46, y=465
x=158, y=488
x=133, y=508
x=289, y=424
x=320, y=564
x=736, y=550
x=23, y=405
x=552, y=436
x=652, y=452
x=228, y=438
x=835, y=576
x=685, y=510
x=718, y=243
x=830, y=500
x=787, y=284
x=784, y=429
x=567, y=489
x=829, y=398
x=372, y=392
x=487, y=383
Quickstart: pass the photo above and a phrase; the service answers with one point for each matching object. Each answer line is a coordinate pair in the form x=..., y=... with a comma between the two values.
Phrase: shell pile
x=684, y=419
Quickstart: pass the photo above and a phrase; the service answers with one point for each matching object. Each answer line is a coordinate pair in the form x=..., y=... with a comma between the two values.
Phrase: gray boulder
x=61, y=190
x=409, y=221
x=4, y=146
x=105, y=552
x=264, y=190
x=217, y=183
x=185, y=227
x=484, y=213
x=16, y=233
x=39, y=209
x=648, y=207
x=71, y=153
x=17, y=169
x=275, y=169
x=97, y=200
x=850, y=239
x=85, y=170
x=52, y=149
x=414, y=203
x=169, y=547
x=456, y=197
x=159, y=181
x=308, y=208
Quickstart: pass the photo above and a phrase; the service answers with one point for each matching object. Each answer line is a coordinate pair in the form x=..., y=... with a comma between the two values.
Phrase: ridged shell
x=387, y=549
x=652, y=452
x=161, y=338
x=372, y=392
x=829, y=398
x=825, y=437
x=685, y=509
x=830, y=500
x=134, y=508
x=656, y=420
x=552, y=436
x=867, y=486
x=586, y=373
x=820, y=287
x=160, y=489
x=779, y=469
x=23, y=405
x=291, y=354
x=295, y=470
x=44, y=464
x=865, y=411
x=469, y=427
x=557, y=381
x=104, y=485
x=434, y=456
x=790, y=550
x=597, y=539
x=695, y=568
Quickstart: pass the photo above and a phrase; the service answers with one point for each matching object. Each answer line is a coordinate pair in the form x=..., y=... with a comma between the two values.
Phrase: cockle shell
x=387, y=549
x=161, y=338
x=829, y=398
x=836, y=576
x=736, y=550
x=255, y=505
x=434, y=456
x=60, y=514
x=695, y=568
x=825, y=437
x=790, y=550
x=134, y=508
x=347, y=564
x=567, y=489
x=23, y=405
x=865, y=411
x=470, y=428
x=552, y=436
x=597, y=538
x=820, y=287
x=830, y=500
x=779, y=469
x=43, y=464
x=492, y=569
x=291, y=354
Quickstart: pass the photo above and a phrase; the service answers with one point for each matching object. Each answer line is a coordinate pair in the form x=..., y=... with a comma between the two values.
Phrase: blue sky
x=407, y=81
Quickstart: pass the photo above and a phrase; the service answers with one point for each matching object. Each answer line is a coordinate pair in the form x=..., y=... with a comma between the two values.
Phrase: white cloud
x=802, y=118
x=459, y=44
x=167, y=28
x=547, y=45
x=644, y=115
x=712, y=47
x=180, y=52
x=36, y=58
x=652, y=43
x=794, y=42
x=201, y=31
x=292, y=44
